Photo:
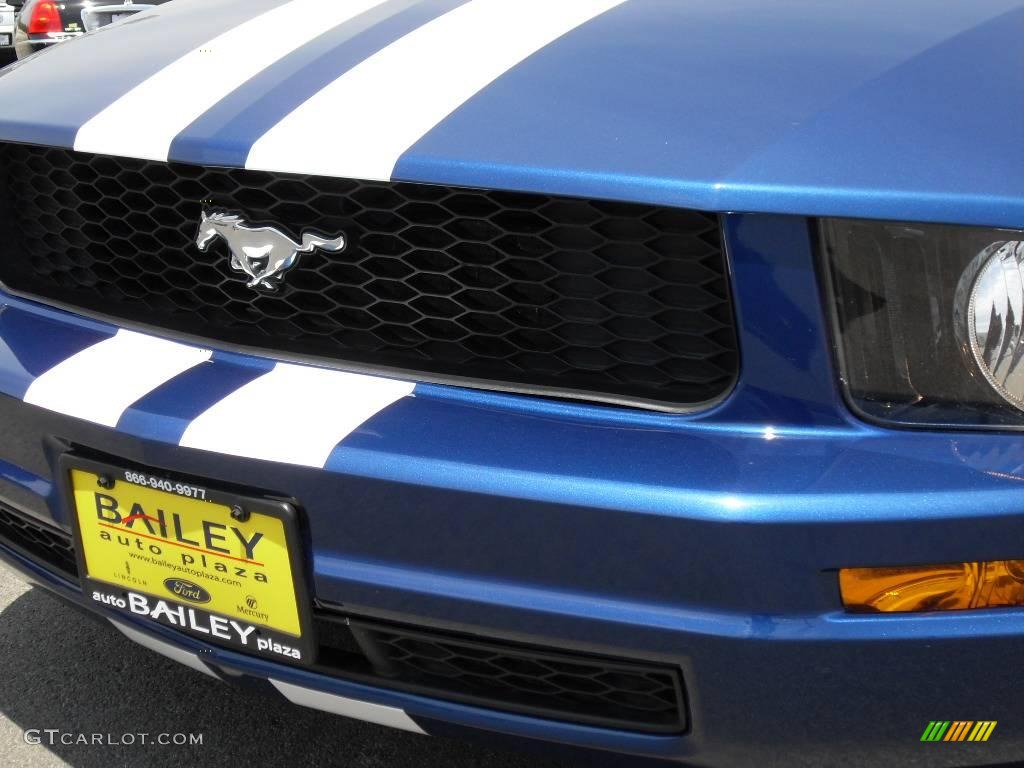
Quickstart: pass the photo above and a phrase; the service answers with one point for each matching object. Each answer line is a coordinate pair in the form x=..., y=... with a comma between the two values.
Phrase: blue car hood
x=896, y=109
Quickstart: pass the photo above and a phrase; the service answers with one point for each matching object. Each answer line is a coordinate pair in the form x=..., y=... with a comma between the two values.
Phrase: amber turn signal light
x=949, y=587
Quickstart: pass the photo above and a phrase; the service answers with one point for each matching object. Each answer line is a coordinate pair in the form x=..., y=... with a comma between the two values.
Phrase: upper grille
x=584, y=298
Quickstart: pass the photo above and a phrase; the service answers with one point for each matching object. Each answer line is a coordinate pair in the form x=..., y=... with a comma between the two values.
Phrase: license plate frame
x=280, y=646
x=5, y=40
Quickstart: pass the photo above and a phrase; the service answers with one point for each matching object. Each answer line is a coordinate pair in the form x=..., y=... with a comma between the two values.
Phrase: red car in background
x=44, y=22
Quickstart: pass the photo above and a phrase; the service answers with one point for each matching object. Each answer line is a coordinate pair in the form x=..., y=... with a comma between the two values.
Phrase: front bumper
x=709, y=542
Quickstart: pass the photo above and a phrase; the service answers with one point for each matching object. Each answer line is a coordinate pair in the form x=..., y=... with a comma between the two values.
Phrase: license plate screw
x=239, y=514
x=105, y=481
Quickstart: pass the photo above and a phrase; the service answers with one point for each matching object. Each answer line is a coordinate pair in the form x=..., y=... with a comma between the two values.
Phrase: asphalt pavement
x=61, y=670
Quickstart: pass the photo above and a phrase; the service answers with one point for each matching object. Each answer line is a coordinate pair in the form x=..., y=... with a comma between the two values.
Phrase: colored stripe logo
x=958, y=730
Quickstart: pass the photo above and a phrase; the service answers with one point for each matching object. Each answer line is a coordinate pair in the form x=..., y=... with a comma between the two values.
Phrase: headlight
x=929, y=321
x=992, y=292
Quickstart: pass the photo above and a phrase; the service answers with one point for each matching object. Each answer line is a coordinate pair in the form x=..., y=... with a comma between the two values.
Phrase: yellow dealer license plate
x=221, y=567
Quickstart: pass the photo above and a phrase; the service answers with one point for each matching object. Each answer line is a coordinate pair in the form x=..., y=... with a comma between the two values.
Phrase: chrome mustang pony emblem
x=263, y=253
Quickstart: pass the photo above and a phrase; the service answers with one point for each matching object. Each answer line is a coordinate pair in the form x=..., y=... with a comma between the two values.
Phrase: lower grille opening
x=37, y=541
x=553, y=684
x=484, y=672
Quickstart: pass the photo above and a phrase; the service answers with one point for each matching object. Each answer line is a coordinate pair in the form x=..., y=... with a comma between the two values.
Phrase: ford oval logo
x=187, y=590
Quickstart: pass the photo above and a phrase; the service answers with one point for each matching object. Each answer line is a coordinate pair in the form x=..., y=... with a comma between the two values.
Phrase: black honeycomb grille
x=38, y=541
x=554, y=684
x=606, y=301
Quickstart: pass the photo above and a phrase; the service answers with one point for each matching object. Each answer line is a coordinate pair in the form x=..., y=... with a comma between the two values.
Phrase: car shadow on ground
x=61, y=669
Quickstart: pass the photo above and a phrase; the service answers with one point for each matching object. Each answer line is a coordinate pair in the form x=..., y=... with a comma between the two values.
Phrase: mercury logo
x=187, y=590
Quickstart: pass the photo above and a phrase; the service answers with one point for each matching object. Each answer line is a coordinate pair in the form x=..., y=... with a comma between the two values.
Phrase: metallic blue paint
x=13, y=475
x=54, y=342
x=898, y=110
x=709, y=541
x=224, y=134
x=165, y=413
x=50, y=95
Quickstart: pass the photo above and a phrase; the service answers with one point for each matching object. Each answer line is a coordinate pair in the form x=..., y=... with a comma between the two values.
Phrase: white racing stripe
x=145, y=121
x=165, y=649
x=403, y=91
x=341, y=705
x=294, y=414
x=100, y=382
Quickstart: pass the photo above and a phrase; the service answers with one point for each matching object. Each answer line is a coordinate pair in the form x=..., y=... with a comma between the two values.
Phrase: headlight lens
x=929, y=320
x=992, y=289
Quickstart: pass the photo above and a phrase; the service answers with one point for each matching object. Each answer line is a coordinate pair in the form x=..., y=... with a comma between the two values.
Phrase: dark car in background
x=6, y=33
x=44, y=22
